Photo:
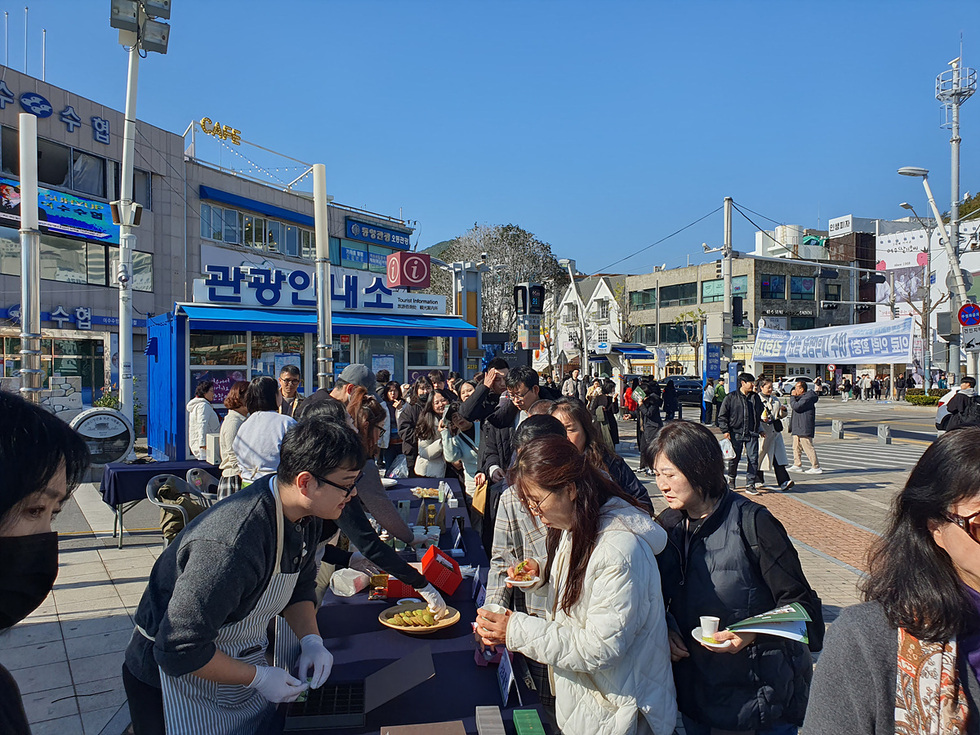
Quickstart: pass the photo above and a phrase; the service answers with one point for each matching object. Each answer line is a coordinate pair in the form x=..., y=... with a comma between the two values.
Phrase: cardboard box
x=398, y=589
x=430, y=728
x=441, y=569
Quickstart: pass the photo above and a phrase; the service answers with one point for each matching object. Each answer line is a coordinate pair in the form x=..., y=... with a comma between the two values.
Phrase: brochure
x=788, y=621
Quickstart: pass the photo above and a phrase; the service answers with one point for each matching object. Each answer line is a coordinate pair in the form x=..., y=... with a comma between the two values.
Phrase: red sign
x=408, y=270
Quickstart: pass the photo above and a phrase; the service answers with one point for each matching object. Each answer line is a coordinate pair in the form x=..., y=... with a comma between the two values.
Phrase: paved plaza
x=68, y=654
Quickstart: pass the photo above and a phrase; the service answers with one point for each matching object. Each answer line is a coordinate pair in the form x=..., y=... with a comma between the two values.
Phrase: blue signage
x=60, y=212
x=35, y=104
x=713, y=364
x=354, y=256
x=366, y=232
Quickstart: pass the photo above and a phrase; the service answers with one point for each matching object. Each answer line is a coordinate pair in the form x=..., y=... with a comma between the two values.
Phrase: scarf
x=928, y=698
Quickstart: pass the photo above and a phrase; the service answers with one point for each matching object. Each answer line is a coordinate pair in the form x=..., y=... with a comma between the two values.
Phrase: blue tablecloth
x=124, y=483
x=361, y=646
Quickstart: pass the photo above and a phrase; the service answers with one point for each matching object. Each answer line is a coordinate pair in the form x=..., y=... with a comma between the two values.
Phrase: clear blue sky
x=601, y=127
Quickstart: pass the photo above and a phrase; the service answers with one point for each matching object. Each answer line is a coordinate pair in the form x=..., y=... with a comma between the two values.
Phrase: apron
x=192, y=705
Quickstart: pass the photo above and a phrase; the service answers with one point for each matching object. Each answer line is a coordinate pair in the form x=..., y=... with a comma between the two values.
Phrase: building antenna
x=6, y=38
x=44, y=47
x=25, y=39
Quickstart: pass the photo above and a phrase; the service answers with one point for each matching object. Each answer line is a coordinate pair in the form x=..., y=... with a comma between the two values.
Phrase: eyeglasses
x=289, y=381
x=381, y=429
x=966, y=523
x=514, y=396
x=534, y=507
x=347, y=490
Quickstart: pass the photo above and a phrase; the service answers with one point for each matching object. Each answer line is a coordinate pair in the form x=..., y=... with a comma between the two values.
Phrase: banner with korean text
x=880, y=342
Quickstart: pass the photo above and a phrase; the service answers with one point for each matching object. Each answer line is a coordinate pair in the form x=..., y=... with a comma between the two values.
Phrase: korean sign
x=366, y=232
x=879, y=342
x=60, y=212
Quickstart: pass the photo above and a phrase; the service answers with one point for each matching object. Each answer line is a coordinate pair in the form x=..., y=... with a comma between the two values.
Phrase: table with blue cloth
x=124, y=484
x=361, y=645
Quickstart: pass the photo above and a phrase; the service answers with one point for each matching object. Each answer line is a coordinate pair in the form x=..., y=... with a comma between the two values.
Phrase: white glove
x=276, y=684
x=437, y=606
x=314, y=656
x=361, y=563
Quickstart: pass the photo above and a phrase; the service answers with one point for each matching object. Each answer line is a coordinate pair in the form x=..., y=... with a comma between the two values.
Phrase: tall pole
x=127, y=241
x=30, y=264
x=894, y=315
x=324, y=324
x=926, y=318
x=726, y=274
x=953, y=354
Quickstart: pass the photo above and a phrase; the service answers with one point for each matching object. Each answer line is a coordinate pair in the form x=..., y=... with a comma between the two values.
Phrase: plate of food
x=709, y=642
x=425, y=492
x=414, y=618
x=389, y=482
x=523, y=578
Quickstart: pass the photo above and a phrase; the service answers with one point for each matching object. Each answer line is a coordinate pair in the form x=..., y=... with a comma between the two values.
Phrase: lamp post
x=138, y=31
x=584, y=345
x=926, y=313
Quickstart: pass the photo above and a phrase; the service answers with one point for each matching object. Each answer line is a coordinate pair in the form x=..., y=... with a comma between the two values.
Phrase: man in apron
x=196, y=663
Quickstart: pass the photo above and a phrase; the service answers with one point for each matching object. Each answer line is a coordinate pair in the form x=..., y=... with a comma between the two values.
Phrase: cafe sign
x=224, y=132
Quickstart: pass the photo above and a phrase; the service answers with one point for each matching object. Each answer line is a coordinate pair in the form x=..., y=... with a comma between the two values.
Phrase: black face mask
x=27, y=573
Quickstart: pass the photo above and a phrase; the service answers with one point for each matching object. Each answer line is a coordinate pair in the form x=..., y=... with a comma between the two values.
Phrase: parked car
x=942, y=413
x=785, y=386
x=688, y=390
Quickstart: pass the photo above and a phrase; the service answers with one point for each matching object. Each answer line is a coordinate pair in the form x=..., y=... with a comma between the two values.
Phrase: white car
x=786, y=385
x=942, y=413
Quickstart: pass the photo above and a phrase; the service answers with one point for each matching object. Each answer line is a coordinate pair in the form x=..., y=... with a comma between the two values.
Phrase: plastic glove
x=437, y=606
x=276, y=684
x=360, y=563
x=315, y=657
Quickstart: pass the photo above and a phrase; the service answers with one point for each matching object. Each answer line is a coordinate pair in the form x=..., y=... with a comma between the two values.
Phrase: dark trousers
x=751, y=444
x=145, y=705
x=706, y=411
x=717, y=405
x=781, y=474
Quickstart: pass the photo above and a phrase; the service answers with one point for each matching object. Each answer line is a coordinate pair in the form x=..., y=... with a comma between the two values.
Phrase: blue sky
x=600, y=127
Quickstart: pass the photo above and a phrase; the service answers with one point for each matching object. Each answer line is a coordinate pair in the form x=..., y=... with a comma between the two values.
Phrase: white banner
x=881, y=342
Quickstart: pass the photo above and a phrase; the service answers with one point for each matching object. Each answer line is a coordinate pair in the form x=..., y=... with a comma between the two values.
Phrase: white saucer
x=529, y=583
x=696, y=634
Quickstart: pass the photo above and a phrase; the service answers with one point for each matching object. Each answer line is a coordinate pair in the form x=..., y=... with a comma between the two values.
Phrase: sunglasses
x=966, y=523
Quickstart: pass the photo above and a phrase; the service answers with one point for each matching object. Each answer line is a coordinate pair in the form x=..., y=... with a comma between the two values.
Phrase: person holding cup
x=605, y=633
x=727, y=559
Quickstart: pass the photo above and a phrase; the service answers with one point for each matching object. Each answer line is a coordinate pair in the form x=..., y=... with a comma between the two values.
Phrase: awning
x=225, y=319
x=634, y=352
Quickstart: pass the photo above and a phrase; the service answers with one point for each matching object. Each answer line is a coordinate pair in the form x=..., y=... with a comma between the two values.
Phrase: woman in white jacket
x=606, y=637
x=202, y=419
x=431, y=462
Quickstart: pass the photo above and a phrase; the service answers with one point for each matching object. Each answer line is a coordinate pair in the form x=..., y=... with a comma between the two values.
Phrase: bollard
x=884, y=434
x=836, y=429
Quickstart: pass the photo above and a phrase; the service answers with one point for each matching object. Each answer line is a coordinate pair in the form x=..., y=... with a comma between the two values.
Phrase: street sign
x=969, y=315
x=602, y=348
x=714, y=361
x=970, y=337
x=831, y=368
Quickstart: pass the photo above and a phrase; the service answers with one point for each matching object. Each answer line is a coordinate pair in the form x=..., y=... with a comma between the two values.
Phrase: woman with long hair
x=582, y=432
x=650, y=421
x=416, y=397
x=672, y=404
x=907, y=660
x=430, y=461
x=393, y=404
x=231, y=479
x=606, y=634
x=257, y=443
x=730, y=558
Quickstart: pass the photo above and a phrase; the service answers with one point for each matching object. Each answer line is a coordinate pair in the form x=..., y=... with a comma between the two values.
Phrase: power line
x=759, y=214
x=765, y=232
x=663, y=239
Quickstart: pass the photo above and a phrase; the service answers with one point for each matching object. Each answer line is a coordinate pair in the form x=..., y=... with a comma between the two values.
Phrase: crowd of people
x=607, y=626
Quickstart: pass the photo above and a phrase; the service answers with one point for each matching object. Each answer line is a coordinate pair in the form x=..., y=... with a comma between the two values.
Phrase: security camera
x=123, y=275
x=483, y=257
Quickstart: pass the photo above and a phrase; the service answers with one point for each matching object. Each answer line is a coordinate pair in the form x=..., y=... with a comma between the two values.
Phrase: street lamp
x=926, y=314
x=584, y=345
x=138, y=31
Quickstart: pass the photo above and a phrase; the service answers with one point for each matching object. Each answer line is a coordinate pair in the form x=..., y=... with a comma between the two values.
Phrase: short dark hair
x=695, y=451
x=437, y=376
x=970, y=380
x=382, y=376
x=236, y=395
x=323, y=405
x=534, y=426
x=389, y=385
x=524, y=375
x=290, y=370
x=803, y=383
x=202, y=388
x=912, y=578
x=34, y=444
x=261, y=394
x=498, y=363
x=319, y=446
x=746, y=378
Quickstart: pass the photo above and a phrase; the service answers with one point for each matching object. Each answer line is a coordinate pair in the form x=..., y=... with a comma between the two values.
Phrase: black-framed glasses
x=289, y=381
x=346, y=490
x=382, y=430
x=514, y=395
x=966, y=523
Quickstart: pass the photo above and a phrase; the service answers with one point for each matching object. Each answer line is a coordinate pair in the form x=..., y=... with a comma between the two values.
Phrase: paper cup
x=709, y=626
x=495, y=608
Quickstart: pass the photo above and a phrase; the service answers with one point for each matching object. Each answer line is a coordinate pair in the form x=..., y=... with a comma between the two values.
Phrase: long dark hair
x=413, y=392
x=367, y=413
x=693, y=450
x=388, y=386
x=261, y=394
x=554, y=463
x=912, y=578
x=595, y=449
x=427, y=426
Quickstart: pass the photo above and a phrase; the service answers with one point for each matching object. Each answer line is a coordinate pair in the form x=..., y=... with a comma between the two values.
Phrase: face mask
x=28, y=572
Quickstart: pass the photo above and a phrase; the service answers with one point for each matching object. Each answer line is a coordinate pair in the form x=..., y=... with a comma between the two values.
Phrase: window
x=801, y=322
x=643, y=300
x=237, y=228
x=831, y=291
x=53, y=164
x=428, y=352
x=88, y=174
x=97, y=274
x=571, y=314
x=267, y=349
x=676, y=333
x=680, y=294
x=646, y=334
x=801, y=288
x=231, y=226
x=602, y=335
x=275, y=241
x=602, y=309
x=773, y=287
x=64, y=260
x=308, y=242
x=712, y=291
x=217, y=348
x=142, y=269
x=291, y=242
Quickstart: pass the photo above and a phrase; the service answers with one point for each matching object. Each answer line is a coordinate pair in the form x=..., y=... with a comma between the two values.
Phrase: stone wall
x=63, y=396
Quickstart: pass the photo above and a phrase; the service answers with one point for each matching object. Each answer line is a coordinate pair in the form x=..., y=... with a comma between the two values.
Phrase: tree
x=688, y=321
x=513, y=255
x=625, y=328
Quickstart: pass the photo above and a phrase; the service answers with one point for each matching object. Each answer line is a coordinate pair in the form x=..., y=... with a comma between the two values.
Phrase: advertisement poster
x=60, y=212
x=222, y=379
x=383, y=362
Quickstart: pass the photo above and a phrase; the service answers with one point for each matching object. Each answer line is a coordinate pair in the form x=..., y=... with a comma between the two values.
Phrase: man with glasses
x=289, y=398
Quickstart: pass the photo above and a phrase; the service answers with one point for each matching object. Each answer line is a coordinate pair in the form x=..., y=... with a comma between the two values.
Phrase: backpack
x=970, y=413
x=815, y=628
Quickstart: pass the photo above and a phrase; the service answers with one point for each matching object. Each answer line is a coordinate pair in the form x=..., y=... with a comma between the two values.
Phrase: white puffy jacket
x=610, y=656
x=202, y=420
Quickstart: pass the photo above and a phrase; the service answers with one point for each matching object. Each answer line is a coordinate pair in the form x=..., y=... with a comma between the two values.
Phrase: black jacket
x=956, y=406
x=407, y=425
x=650, y=417
x=767, y=683
x=740, y=415
x=481, y=404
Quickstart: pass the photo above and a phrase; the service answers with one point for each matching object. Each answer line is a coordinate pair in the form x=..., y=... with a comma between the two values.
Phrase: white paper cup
x=709, y=626
x=495, y=608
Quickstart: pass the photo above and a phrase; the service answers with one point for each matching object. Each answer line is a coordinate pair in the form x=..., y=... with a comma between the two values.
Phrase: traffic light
x=738, y=318
x=535, y=299
x=873, y=278
x=829, y=305
x=828, y=273
x=863, y=307
x=717, y=269
x=520, y=299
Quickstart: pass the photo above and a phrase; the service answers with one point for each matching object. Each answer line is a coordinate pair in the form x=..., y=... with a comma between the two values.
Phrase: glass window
x=64, y=260
x=275, y=241
x=676, y=333
x=10, y=151
x=217, y=348
x=831, y=292
x=53, y=163
x=428, y=352
x=142, y=271
x=258, y=237
x=602, y=335
x=370, y=347
x=801, y=288
x=9, y=251
x=205, y=221
x=142, y=188
x=88, y=174
x=378, y=258
x=217, y=222
x=681, y=294
x=307, y=244
x=353, y=255
x=97, y=265
x=292, y=240
x=334, y=249
x=715, y=290
x=801, y=322
x=272, y=350
x=643, y=300
x=773, y=287
x=248, y=230
x=231, y=226
x=646, y=334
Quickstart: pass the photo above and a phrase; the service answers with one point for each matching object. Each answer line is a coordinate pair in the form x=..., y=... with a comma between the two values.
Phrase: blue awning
x=226, y=319
x=216, y=195
x=634, y=352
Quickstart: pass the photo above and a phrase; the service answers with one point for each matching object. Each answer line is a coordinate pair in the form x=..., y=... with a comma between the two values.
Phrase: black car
x=689, y=391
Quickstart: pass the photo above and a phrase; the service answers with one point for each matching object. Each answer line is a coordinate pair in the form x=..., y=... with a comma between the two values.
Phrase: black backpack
x=970, y=413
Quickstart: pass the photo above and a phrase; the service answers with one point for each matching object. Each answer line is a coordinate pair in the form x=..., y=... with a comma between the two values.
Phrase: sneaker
x=731, y=485
x=753, y=489
x=814, y=471
x=786, y=486
x=795, y=468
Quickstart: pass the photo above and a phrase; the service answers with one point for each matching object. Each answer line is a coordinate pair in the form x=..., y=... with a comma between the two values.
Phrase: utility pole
x=324, y=324
x=30, y=264
x=726, y=274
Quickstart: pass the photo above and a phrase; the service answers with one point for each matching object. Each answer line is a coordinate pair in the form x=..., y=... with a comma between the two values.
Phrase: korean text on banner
x=881, y=342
